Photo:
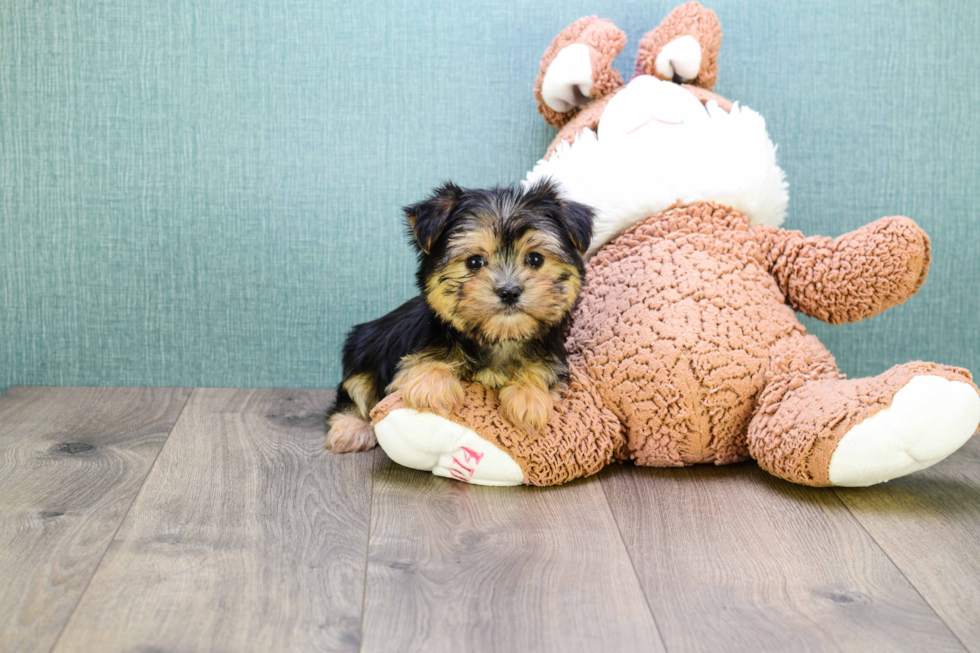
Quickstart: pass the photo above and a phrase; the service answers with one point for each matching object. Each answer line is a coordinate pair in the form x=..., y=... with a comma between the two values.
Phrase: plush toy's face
x=656, y=144
x=632, y=151
x=652, y=107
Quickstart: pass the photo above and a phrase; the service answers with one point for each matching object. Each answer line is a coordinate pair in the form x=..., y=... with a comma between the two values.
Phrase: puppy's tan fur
x=469, y=301
x=348, y=433
x=360, y=387
x=429, y=384
x=351, y=430
x=528, y=398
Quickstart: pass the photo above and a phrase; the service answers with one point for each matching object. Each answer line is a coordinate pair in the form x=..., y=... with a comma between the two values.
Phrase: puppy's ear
x=574, y=217
x=428, y=219
x=578, y=221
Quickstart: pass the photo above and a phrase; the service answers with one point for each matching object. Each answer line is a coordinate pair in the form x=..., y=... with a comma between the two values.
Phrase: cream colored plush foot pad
x=929, y=418
x=431, y=443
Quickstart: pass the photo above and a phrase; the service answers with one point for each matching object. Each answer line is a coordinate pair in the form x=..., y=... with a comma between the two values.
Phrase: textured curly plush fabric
x=835, y=280
x=676, y=326
x=604, y=41
x=689, y=19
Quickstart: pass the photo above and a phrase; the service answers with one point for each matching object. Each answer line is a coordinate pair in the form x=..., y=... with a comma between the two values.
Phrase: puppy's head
x=500, y=264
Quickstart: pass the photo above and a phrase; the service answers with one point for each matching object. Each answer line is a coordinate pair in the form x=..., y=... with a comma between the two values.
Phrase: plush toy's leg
x=477, y=445
x=814, y=427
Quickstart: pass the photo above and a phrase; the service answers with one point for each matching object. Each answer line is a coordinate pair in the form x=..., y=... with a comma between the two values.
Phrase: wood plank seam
x=125, y=514
x=646, y=599
x=901, y=571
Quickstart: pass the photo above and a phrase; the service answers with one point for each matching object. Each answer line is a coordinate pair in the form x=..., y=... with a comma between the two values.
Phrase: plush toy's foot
x=929, y=418
x=815, y=428
x=431, y=443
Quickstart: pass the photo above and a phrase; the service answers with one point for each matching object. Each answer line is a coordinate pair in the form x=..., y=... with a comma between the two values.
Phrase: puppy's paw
x=431, y=388
x=349, y=433
x=526, y=406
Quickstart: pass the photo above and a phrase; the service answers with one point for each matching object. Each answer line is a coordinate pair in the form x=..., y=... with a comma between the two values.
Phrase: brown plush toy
x=685, y=347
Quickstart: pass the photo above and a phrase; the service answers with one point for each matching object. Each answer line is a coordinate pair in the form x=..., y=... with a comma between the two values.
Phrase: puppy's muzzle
x=509, y=294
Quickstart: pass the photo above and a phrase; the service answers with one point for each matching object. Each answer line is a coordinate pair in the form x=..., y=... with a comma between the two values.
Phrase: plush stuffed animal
x=685, y=347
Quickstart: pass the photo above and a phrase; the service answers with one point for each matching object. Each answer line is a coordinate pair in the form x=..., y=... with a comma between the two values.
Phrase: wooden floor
x=138, y=519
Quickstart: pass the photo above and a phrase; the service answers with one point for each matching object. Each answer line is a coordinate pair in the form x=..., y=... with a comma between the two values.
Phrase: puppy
x=500, y=271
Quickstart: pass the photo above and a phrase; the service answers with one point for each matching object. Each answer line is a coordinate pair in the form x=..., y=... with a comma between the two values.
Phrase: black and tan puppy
x=499, y=271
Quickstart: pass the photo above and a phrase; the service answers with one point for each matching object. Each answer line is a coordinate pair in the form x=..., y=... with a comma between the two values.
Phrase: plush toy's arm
x=850, y=278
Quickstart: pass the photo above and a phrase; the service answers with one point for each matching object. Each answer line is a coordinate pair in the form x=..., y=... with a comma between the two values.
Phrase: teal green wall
x=206, y=193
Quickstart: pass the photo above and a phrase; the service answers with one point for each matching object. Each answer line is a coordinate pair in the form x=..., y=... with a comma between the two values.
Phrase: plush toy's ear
x=684, y=48
x=428, y=219
x=577, y=69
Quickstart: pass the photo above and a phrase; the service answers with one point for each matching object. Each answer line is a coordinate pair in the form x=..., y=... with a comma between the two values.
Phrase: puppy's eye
x=534, y=260
x=474, y=263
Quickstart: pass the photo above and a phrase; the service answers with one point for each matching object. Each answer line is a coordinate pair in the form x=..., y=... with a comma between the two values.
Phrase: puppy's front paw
x=430, y=388
x=526, y=406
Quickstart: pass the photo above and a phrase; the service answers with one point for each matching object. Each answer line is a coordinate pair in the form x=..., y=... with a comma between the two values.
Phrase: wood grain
x=929, y=525
x=247, y=535
x=734, y=559
x=455, y=567
x=71, y=462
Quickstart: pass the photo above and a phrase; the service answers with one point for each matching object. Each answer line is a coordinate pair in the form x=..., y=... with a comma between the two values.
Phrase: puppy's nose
x=509, y=294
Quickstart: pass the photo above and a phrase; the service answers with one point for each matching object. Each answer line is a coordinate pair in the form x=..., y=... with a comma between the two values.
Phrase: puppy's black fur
x=529, y=242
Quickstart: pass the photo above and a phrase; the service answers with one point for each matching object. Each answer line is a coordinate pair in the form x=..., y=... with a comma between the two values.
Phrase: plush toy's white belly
x=656, y=146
